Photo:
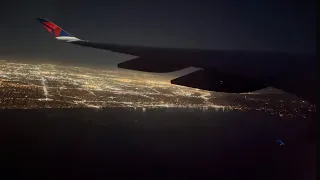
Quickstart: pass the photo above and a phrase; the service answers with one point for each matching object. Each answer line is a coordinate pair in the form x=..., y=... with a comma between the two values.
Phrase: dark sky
x=281, y=25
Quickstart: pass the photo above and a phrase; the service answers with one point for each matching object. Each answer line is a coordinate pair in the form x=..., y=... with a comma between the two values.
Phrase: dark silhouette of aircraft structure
x=231, y=71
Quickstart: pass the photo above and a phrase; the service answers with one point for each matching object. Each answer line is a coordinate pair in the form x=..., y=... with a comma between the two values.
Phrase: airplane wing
x=232, y=71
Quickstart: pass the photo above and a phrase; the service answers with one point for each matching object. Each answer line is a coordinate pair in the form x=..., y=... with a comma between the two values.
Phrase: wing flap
x=153, y=64
x=220, y=82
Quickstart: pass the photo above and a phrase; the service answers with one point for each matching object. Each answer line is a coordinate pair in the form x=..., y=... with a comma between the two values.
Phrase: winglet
x=57, y=31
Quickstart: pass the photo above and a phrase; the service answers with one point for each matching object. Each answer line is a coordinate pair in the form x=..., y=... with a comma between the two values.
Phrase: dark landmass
x=158, y=143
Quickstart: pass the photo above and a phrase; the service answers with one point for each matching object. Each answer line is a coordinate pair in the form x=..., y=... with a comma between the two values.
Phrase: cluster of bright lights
x=54, y=86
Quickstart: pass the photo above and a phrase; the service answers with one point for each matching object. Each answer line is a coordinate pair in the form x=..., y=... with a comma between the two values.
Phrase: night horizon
x=249, y=25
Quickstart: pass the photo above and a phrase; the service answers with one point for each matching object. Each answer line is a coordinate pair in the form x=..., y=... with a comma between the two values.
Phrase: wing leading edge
x=222, y=70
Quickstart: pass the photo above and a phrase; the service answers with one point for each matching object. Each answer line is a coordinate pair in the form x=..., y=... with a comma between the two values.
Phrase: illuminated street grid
x=32, y=86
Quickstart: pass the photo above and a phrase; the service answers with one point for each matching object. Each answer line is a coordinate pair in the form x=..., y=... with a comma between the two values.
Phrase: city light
x=29, y=86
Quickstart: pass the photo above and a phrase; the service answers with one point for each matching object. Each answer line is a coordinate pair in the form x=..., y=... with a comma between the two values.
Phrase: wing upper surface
x=222, y=70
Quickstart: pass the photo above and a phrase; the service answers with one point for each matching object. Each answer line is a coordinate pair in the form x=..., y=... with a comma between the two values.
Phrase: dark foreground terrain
x=155, y=144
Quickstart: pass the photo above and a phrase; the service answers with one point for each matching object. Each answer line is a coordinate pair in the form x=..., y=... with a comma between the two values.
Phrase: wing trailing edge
x=152, y=64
